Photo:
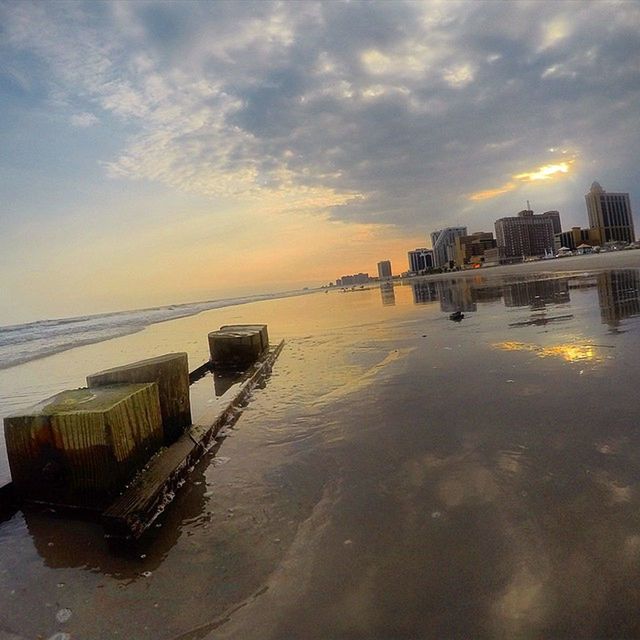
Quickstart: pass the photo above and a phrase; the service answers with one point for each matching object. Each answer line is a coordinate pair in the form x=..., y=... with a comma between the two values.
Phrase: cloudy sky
x=166, y=152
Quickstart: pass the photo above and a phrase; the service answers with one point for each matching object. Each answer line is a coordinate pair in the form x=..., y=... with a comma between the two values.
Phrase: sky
x=163, y=152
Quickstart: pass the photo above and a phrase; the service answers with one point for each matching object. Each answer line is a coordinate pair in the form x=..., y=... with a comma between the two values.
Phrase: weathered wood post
x=79, y=448
x=237, y=346
x=262, y=328
x=171, y=372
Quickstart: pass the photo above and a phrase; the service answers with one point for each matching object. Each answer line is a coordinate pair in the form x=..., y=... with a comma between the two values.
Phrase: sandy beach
x=399, y=476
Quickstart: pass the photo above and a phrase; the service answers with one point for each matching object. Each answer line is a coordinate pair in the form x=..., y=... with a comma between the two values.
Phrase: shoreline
x=126, y=323
x=591, y=262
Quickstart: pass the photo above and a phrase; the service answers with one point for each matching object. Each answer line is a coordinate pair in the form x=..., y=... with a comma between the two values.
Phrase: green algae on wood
x=147, y=496
x=79, y=448
x=171, y=372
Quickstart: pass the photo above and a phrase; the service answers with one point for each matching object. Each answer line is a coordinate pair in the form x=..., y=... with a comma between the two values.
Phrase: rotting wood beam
x=155, y=487
x=200, y=371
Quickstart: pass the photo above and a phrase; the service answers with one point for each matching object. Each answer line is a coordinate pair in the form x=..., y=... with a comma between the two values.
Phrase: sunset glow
x=174, y=151
x=492, y=193
x=543, y=173
x=546, y=172
x=569, y=352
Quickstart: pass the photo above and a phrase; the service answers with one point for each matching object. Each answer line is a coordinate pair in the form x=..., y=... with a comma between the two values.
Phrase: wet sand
x=400, y=476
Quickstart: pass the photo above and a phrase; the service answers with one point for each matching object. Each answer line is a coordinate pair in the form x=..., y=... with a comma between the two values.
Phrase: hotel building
x=610, y=214
x=444, y=245
x=526, y=234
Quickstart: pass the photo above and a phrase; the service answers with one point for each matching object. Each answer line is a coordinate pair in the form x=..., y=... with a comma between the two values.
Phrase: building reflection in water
x=618, y=295
x=424, y=292
x=387, y=294
x=455, y=295
x=536, y=294
x=486, y=293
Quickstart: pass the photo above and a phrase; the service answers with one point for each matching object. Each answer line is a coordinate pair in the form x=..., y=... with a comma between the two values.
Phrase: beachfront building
x=384, y=270
x=575, y=237
x=610, y=214
x=525, y=235
x=554, y=216
x=470, y=250
x=356, y=278
x=420, y=260
x=444, y=245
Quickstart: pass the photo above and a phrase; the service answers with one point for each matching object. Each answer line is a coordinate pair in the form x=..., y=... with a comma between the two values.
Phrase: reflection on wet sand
x=568, y=352
x=618, y=294
x=387, y=294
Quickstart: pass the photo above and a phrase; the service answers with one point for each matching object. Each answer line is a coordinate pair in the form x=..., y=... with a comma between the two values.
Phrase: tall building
x=420, y=260
x=470, y=249
x=444, y=245
x=356, y=278
x=525, y=235
x=384, y=269
x=610, y=213
x=555, y=218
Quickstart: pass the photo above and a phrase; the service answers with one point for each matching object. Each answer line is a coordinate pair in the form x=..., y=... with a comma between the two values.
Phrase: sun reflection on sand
x=570, y=352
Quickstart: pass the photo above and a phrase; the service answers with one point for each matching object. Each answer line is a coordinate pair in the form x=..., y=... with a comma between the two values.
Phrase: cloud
x=487, y=194
x=546, y=172
x=382, y=113
x=83, y=120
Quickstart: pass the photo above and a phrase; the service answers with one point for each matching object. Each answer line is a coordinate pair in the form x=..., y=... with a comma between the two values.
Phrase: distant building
x=492, y=257
x=525, y=235
x=384, y=269
x=577, y=236
x=444, y=245
x=420, y=260
x=470, y=250
x=349, y=281
x=555, y=218
x=610, y=213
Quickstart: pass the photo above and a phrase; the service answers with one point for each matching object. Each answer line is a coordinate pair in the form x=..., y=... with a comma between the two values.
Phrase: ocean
x=21, y=343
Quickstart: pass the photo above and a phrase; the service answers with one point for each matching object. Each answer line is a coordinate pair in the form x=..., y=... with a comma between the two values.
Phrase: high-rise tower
x=444, y=245
x=610, y=213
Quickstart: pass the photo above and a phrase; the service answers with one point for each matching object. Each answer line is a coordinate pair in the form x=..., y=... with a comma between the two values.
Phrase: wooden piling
x=171, y=372
x=235, y=346
x=262, y=328
x=145, y=499
x=7, y=497
x=79, y=448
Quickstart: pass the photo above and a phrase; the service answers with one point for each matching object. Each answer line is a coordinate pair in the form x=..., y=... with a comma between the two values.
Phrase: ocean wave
x=30, y=341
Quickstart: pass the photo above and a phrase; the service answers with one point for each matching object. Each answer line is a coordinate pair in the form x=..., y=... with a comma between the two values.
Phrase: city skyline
x=158, y=153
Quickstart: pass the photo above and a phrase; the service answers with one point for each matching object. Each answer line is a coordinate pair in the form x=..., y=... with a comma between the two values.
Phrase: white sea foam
x=24, y=342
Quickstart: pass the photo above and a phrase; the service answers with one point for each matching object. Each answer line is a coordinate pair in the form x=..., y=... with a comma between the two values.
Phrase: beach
x=399, y=475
